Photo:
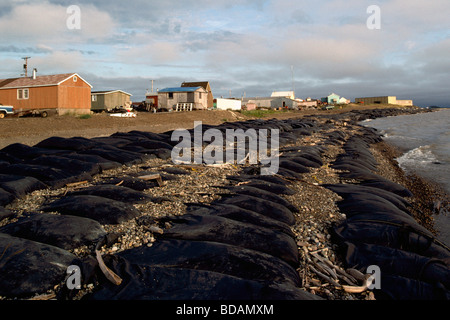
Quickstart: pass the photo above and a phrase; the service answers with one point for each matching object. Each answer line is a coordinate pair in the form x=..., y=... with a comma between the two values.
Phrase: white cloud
x=47, y=23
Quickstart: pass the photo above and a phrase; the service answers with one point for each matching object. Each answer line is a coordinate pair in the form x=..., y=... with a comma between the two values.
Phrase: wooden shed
x=108, y=100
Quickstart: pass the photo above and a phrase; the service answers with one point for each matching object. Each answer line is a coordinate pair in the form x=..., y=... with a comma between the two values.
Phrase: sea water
x=424, y=140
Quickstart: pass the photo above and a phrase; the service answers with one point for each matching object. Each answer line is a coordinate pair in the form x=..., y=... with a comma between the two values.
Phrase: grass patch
x=85, y=116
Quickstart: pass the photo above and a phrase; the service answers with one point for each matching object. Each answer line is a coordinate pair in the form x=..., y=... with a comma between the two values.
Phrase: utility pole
x=25, y=65
x=293, y=88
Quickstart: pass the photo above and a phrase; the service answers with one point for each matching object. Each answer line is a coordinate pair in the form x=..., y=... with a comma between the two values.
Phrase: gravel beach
x=321, y=267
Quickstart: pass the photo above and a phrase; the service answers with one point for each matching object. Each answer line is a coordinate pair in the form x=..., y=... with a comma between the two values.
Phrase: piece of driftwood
x=155, y=176
x=109, y=274
x=75, y=184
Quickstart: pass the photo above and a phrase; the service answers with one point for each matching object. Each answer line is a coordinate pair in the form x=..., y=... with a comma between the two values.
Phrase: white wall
x=224, y=104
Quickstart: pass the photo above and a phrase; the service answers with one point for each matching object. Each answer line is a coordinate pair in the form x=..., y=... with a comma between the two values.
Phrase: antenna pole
x=25, y=66
x=293, y=89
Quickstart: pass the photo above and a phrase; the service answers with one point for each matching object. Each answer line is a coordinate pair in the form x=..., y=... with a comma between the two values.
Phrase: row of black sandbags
x=379, y=230
x=237, y=247
x=56, y=161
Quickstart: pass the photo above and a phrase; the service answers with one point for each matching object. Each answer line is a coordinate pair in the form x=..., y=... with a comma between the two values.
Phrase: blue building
x=332, y=98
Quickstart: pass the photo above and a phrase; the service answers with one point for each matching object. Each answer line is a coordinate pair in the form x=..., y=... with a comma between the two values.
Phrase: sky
x=243, y=48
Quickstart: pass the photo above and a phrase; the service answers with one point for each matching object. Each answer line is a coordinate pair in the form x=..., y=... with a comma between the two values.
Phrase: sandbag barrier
x=226, y=250
x=380, y=231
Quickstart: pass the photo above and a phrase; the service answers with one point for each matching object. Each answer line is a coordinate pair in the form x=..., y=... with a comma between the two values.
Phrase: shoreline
x=429, y=197
x=317, y=205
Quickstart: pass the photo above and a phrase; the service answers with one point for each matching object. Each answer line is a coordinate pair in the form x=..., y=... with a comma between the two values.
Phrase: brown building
x=205, y=85
x=64, y=93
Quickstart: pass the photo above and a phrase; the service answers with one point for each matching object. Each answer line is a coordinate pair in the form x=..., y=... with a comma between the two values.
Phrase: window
x=22, y=94
x=94, y=97
x=199, y=95
x=170, y=95
x=75, y=79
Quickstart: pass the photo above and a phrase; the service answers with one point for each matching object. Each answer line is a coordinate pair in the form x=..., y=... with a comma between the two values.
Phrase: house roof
x=110, y=91
x=181, y=89
x=282, y=94
x=203, y=84
x=40, y=81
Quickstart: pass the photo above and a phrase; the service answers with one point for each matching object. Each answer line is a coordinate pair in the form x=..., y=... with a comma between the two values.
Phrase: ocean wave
x=420, y=156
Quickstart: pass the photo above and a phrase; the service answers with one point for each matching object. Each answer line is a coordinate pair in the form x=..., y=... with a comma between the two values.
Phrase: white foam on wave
x=418, y=157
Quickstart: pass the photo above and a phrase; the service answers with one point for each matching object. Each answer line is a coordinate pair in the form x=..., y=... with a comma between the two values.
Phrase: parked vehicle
x=44, y=113
x=5, y=110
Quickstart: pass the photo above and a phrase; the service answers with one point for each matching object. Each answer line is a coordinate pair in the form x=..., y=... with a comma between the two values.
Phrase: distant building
x=308, y=103
x=284, y=94
x=384, y=100
x=205, y=85
x=332, y=98
x=183, y=98
x=108, y=100
x=65, y=93
x=271, y=102
x=227, y=104
x=343, y=100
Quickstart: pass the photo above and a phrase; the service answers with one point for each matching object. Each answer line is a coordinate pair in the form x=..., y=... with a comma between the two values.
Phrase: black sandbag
x=74, y=143
x=345, y=190
x=239, y=214
x=306, y=155
x=360, y=174
x=351, y=166
x=25, y=152
x=103, y=163
x=5, y=213
x=174, y=170
x=146, y=134
x=115, y=154
x=103, y=210
x=260, y=193
x=279, y=185
x=301, y=160
x=66, y=232
x=8, y=158
x=293, y=166
x=357, y=204
x=131, y=182
x=214, y=256
x=163, y=154
x=412, y=238
x=151, y=144
x=218, y=229
x=187, y=284
x=68, y=165
x=349, y=160
x=6, y=197
x=265, y=207
x=288, y=173
x=111, y=191
x=397, y=262
x=53, y=177
x=388, y=186
x=19, y=186
x=110, y=141
x=29, y=267
x=399, y=288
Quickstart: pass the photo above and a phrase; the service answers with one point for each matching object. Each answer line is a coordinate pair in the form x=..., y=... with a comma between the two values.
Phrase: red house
x=63, y=93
